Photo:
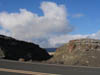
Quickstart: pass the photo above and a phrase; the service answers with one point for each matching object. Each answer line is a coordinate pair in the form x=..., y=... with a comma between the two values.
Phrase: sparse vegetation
x=82, y=52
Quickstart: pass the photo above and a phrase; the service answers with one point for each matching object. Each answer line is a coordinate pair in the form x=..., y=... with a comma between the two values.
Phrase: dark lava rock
x=11, y=48
x=80, y=52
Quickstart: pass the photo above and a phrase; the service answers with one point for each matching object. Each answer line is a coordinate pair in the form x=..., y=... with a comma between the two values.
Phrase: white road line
x=25, y=72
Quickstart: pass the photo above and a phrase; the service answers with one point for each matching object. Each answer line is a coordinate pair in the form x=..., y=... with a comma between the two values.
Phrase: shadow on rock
x=13, y=49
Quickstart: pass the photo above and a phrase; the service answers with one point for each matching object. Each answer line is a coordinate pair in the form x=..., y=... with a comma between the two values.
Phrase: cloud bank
x=62, y=39
x=27, y=25
x=49, y=30
x=32, y=25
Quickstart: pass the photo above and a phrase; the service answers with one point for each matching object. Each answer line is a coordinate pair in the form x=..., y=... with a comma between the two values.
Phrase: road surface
x=8, y=67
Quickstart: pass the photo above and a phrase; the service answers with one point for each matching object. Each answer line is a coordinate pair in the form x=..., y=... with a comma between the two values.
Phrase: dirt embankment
x=81, y=52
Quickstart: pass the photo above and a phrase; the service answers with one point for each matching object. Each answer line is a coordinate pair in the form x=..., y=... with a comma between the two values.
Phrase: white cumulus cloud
x=33, y=26
x=62, y=39
x=26, y=25
x=49, y=30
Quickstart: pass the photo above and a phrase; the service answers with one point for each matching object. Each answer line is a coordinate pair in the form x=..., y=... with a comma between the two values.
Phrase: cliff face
x=83, y=52
x=11, y=48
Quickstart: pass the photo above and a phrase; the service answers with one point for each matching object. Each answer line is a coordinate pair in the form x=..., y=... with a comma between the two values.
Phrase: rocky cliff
x=11, y=48
x=82, y=52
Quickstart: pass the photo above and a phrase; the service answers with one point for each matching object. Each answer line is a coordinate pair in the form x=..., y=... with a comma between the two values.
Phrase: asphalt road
x=46, y=68
x=9, y=73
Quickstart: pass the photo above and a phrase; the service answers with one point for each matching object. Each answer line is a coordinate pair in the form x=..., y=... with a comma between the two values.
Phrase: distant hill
x=50, y=49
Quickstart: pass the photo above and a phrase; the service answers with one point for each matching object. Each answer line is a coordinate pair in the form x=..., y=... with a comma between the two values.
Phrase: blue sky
x=82, y=15
x=88, y=23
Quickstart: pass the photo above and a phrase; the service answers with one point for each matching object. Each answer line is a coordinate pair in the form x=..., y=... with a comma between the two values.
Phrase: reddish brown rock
x=80, y=52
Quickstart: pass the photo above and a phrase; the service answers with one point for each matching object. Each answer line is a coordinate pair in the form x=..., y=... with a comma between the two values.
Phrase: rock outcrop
x=80, y=52
x=11, y=48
